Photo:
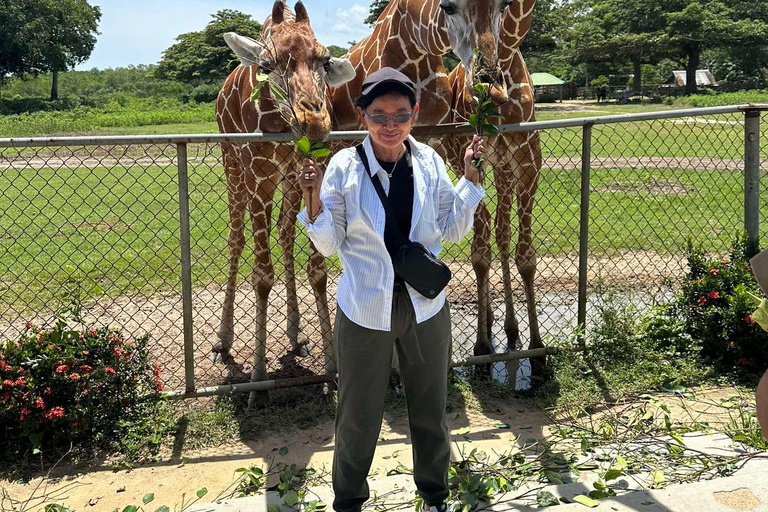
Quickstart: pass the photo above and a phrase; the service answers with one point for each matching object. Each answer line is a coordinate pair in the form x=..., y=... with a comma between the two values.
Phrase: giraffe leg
x=318, y=279
x=503, y=236
x=525, y=256
x=481, y=263
x=237, y=196
x=263, y=278
x=289, y=209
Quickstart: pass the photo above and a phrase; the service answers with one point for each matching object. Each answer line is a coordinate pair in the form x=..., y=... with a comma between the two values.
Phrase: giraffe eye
x=448, y=9
x=327, y=65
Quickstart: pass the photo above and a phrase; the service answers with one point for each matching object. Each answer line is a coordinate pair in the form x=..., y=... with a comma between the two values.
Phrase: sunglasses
x=383, y=118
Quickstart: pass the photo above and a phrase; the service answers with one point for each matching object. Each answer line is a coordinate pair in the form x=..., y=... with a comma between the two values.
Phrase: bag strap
x=390, y=215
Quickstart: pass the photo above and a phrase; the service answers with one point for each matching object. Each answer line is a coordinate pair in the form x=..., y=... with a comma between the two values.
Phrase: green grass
x=120, y=225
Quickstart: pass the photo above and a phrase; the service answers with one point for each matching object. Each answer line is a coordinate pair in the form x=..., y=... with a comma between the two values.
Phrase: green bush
x=713, y=99
x=83, y=386
x=716, y=302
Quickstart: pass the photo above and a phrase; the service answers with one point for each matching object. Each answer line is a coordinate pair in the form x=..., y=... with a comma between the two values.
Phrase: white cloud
x=342, y=25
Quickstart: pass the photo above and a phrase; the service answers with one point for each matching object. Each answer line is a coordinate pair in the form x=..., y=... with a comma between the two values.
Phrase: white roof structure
x=703, y=77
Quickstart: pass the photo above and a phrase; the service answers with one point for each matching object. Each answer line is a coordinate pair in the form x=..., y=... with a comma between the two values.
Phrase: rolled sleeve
x=457, y=204
x=329, y=229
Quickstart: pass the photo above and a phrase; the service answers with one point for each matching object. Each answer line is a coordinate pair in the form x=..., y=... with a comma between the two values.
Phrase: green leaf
x=261, y=77
x=491, y=128
x=463, y=431
x=658, y=478
x=546, y=499
x=586, y=501
x=474, y=121
x=202, y=492
x=130, y=508
x=256, y=92
x=148, y=498
x=501, y=425
x=273, y=508
x=320, y=153
x=552, y=477
x=164, y=508
x=740, y=437
x=621, y=461
x=277, y=92
x=671, y=386
x=303, y=145
x=613, y=474
x=524, y=427
x=291, y=498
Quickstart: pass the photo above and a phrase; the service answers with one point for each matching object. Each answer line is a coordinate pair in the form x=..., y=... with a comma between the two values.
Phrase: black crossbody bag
x=412, y=262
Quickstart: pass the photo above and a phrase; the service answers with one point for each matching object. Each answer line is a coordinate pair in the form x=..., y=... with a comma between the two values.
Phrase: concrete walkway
x=746, y=490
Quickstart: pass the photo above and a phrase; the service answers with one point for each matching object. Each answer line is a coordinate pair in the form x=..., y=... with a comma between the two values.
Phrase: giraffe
x=289, y=51
x=516, y=160
x=412, y=36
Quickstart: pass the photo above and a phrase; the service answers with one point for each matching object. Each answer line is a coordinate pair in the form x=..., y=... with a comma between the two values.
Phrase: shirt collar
x=373, y=162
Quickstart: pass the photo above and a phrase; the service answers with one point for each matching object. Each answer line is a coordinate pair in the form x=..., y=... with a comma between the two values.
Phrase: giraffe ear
x=278, y=12
x=340, y=71
x=301, y=13
x=247, y=50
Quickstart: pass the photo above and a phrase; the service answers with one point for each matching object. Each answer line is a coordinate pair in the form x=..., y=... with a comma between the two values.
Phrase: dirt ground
x=160, y=315
x=99, y=487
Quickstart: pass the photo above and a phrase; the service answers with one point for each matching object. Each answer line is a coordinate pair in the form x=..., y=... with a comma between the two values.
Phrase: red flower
x=713, y=295
x=39, y=403
x=85, y=392
x=158, y=370
x=24, y=412
x=75, y=376
x=749, y=320
x=5, y=366
x=86, y=369
x=85, y=352
x=713, y=271
x=700, y=280
x=62, y=368
x=109, y=369
x=118, y=352
x=55, y=412
x=28, y=325
x=6, y=396
x=47, y=391
x=93, y=332
x=8, y=383
x=702, y=300
x=742, y=362
x=21, y=382
x=731, y=249
x=40, y=339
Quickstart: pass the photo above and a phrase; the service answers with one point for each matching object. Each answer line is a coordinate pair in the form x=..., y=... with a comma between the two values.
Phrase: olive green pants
x=364, y=359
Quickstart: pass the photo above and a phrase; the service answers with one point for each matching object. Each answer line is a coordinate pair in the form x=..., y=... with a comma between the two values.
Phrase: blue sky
x=137, y=31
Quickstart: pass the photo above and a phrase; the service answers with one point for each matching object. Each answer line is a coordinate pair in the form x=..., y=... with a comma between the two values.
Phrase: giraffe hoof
x=301, y=350
x=220, y=352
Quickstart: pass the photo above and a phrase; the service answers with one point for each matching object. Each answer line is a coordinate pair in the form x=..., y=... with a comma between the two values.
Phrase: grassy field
x=119, y=225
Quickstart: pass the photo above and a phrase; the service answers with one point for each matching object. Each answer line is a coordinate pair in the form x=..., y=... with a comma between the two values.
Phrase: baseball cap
x=382, y=77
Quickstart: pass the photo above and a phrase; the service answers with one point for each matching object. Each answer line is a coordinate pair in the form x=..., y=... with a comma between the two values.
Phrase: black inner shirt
x=400, y=198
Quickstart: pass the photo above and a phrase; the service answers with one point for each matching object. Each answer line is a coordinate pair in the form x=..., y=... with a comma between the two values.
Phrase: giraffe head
x=475, y=25
x=291, y=55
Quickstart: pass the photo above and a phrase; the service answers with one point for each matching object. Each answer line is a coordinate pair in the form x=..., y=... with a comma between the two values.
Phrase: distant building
x=547, y=87
x=704, y=78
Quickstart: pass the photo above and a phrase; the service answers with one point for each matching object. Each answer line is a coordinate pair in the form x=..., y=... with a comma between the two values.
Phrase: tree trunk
x=55, y=86
x=638, y=80
x=694, y=58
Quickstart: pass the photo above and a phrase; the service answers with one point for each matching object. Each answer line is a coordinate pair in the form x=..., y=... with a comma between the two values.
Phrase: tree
x=377, y=7
x=46, y=35
x=204, y=55
x=65, y=34
x=694, y=26
x=337, y=51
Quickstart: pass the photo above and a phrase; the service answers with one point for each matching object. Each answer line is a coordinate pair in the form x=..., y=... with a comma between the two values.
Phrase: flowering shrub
x=66, y=385
x=716, y=302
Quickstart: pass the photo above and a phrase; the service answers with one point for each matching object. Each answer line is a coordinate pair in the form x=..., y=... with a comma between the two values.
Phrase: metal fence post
x=752, y=179
x=186, y=268
x=586, y=163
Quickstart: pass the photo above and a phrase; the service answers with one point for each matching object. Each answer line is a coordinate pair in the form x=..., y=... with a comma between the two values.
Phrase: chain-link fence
x=146, y=221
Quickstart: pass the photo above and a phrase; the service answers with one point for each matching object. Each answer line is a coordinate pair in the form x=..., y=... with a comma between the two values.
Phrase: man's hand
x=476, y=149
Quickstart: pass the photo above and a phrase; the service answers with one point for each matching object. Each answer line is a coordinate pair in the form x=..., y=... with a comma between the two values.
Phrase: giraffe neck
x=416, y=24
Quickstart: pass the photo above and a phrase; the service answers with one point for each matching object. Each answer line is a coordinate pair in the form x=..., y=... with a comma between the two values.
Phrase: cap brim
x=403, y=86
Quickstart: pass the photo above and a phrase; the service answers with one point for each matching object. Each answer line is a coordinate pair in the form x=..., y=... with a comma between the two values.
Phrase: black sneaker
x=442, y=507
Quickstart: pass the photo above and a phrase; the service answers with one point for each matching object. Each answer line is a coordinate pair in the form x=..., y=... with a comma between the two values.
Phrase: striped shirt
x=352, y=224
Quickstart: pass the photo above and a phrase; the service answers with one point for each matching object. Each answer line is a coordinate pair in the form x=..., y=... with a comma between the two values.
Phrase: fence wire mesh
x=105, y=218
